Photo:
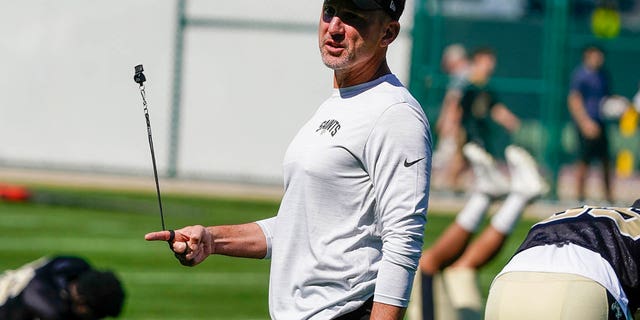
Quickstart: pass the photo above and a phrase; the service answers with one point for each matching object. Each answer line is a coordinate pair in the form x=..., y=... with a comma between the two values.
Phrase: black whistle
x=139, y=77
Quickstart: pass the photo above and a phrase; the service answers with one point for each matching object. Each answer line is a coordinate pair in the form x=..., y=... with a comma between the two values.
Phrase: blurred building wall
x=68, y=100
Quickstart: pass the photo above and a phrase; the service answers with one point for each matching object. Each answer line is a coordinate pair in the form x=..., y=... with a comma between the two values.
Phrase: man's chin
x=335, y=64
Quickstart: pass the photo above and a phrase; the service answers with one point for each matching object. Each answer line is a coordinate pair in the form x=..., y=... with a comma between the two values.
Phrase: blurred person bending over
x=59, y=288
x=469, y=108
x=347, y=238
x=454, y=294
x=582, y=263
x=589, y=88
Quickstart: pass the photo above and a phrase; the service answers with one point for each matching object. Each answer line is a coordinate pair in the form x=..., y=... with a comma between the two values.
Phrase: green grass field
x=107, y=228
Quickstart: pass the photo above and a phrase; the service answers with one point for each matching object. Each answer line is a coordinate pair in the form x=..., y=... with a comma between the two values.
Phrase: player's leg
x=465, y=300
x=447, y=247
x=594, y=149
x=439, y=307
x=606, y=173
x=455, y=238
x=459, y=164
x=481, y=250
x=526, y=184
x=456, y=170
x=431, y=300
x=581, y=177
x=603, y=152
x=460, y=277
x=488, y=183
x=585, y=151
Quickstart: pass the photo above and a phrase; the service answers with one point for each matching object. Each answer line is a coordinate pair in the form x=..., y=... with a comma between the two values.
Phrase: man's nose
x=336, y=26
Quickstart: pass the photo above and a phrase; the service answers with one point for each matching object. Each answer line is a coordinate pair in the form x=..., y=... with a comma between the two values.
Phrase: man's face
x=485, y=63
x=347, y=35
x=594, y=59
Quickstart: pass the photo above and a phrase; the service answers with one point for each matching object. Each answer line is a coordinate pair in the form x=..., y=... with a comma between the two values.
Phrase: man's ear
x=390, y=33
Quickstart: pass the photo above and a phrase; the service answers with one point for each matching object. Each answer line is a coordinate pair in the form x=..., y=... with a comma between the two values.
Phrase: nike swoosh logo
x=409, y=164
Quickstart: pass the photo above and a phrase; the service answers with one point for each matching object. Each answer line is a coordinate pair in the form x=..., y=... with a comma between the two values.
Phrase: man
x=59, y=288
x=347, y=238
x=589, y=88
x=582, y=263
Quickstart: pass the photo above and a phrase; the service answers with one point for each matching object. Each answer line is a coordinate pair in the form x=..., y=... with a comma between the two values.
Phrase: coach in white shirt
x=347, y=238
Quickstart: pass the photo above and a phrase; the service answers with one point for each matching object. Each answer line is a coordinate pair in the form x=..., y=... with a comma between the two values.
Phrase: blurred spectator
x=59, y=288
x=589, y=88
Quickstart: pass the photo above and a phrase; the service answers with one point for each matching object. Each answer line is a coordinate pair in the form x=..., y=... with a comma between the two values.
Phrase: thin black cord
x=153, y=154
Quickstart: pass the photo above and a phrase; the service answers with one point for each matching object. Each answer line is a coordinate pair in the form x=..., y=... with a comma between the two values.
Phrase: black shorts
x=594, y=149
x=362, y=313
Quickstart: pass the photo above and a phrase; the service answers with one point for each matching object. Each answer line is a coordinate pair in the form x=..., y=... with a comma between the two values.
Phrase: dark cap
x=393, y=8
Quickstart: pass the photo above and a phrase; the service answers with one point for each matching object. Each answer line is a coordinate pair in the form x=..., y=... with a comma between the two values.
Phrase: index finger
x=158, y=236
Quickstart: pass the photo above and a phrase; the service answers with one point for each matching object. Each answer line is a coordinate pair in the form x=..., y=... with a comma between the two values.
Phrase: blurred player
x=347, y=238
x=453, y=294
x=480, y=106
x=582, y=263
x=589, y=88
x=469, y=108
x=447, y=157
x=59, y=288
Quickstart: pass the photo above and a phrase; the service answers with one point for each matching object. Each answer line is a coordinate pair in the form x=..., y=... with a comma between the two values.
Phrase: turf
x=107, y=228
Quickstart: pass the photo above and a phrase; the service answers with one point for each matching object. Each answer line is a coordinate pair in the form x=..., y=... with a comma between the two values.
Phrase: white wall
x=68, y=99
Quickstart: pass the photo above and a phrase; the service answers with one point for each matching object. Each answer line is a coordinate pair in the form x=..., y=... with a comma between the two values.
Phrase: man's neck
x=478, y=79
x=343, y=79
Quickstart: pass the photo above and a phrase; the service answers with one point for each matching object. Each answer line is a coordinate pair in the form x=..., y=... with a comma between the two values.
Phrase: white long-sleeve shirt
x=352, y=218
